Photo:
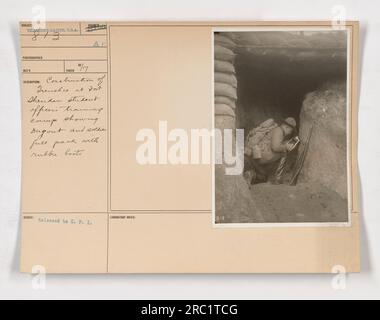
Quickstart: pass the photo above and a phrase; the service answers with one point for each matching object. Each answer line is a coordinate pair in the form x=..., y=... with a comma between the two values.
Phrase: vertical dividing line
x=351, y=70
x=108, y=143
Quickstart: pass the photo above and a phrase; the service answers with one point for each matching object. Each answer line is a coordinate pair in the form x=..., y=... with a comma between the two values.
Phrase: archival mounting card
x=163, y=147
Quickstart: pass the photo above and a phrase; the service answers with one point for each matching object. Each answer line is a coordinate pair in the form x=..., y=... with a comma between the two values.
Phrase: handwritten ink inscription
x=67, y=114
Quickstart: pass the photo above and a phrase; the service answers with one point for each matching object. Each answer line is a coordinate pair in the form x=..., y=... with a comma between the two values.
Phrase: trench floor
x=300, y=203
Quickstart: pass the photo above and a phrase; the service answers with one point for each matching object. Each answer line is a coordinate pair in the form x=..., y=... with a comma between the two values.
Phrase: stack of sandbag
x=233, y=202
x=225, y=82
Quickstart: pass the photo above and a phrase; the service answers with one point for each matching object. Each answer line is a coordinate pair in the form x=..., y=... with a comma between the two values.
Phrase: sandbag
x=225, y=90
x=224, y=122
x=224, y=110
x=225, y=100
x=226, y=78
x=224, y=66
x=223, y=54
x=224, y=41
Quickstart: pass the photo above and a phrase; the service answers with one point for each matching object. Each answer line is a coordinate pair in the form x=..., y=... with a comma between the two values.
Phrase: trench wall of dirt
x=326, y=160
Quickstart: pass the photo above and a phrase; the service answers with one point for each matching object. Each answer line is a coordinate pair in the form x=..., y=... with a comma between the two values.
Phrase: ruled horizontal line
x=160, y=212
x=123, y=212
x=63, y=35
x=63, y=60
x=94, y=72
x=55, y=212
x=153, y=211
x=62, y=47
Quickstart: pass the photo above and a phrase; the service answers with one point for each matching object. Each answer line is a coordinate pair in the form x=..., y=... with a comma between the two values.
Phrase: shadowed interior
x=274, y=76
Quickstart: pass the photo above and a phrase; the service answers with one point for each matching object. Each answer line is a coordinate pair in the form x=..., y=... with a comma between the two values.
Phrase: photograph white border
x=348, y=129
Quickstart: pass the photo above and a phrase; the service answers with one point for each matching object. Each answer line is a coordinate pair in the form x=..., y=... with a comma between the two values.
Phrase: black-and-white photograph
x=288, y=90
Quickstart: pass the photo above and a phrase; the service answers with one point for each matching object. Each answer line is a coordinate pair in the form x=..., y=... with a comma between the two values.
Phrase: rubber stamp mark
x=95, y=27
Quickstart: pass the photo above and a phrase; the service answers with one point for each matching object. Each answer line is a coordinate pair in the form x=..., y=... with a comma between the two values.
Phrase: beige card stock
x=89, y=207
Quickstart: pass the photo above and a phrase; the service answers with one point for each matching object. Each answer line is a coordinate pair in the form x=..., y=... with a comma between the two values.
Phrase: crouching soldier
x=266, y=150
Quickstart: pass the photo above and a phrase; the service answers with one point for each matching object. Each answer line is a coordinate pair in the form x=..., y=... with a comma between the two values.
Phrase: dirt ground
x=300, y=203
